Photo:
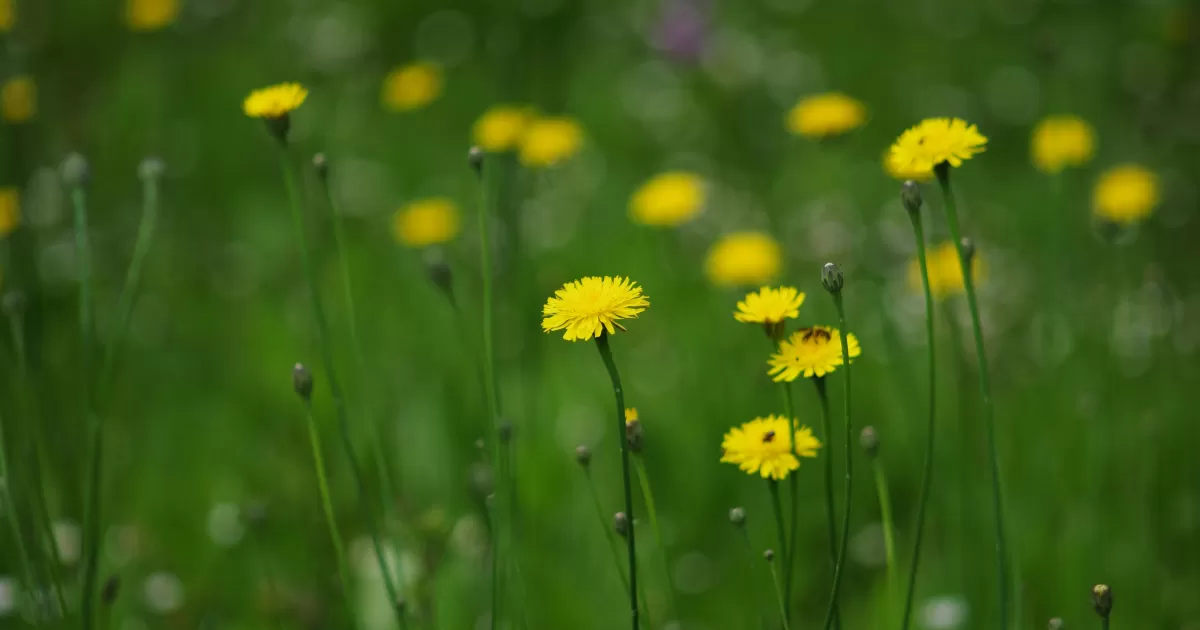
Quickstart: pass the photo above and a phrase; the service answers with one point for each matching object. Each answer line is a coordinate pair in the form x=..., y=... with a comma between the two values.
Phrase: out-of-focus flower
x=10, y=210
x=18, y=99
x=810, y=352
x=426, y=222
x=1062, y=141
x=548, y=141
x=826, y=115
x=150, y=15
x=768, y=447
x=743, y=259
x=593, y=306
x=668, y=199
x=8, y=15
x=682, y=30
x=934, y=141
x=412, y=86
x=274, y=102
x=945, y=271
x=769, y=306
x=1125, y=194
x=904, y=171
x=500, y=127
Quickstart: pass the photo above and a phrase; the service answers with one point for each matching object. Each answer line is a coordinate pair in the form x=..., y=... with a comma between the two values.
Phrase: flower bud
x=110, y=590
x=968, y=251
x=910, y=194
x=737, y=516
x=583, y=455
x=302, y=381
x=621, y=524
x=151, y=168
x=1056, y=623
x=634, y=435
x=321, y=166
x=75, y=171
x=475, y=160
x=869, y=441
x=769, y=555
x=440, y=273
x=831, y=278
x=1102, y=600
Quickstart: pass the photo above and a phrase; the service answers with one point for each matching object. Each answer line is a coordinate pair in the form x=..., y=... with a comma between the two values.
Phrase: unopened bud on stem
x=968, y=251
x=75, y=170
x=583, y=455
x=769, y=555
x=869, y=441
x=737, y=516
x=475, y=160
x=1102, y=600
x=621, y=524
x=910, y=194
x=302, y=381
x=831, y=278
x=321, y=166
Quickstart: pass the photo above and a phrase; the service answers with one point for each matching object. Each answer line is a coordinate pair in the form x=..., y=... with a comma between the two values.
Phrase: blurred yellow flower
x=426, y=222
x=904, y=171
x=411, y=87
x=810, y=352
x=743, y=258
x=1125, y=194
x=631, y=416
x=548, y=141
x=769, y=306
x=768, y=447
x=274, y=102
x=150, y=15
x=945, y=271
x=825, y=115
x=10, y=210
x=1062, y=141
x=592, y=306
x=500, y=127
x=934, y=141
x=8, y=15
x=668, y=199
x=18, y=99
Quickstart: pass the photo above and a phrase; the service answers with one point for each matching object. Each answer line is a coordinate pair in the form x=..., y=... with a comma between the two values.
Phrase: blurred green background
x=211, y=514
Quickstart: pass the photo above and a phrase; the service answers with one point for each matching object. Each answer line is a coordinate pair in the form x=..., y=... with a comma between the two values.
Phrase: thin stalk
x=830, y=507
x=783, y=609
x=832, y=612
x=927, y=471
x=794, y=485
x=985, y=387
x=889, y=525
x=335, y=535
x=335, y=388
x=613, y=544
x=784, y=552
x=91, y=511
x=619, y=394
x=652, y=512
x=10, y=511
x=1104, y=623
x=752, y=558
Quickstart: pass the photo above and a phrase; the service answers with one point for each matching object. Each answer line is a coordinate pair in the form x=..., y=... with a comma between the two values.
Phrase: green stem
x=832, y=612
x=613, y=545
x=335, y=388
x=752, y=559
x=335, y=535
x=91, y=511
x=783, y=609
x=927, y=471
x=619, y=394
x=885, y=514
x=784, y=552
x=10, y=510
x=989, y=415
x=790, y=406
x=830, y=507
x=652, y=512
x=1104, y=623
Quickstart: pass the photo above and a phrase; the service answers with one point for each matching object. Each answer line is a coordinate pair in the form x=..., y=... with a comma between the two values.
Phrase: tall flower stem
x=619, y=394
x=613, y=545
x=832, y=612
x=914, y=215
x=889, y=524
x=985, y=387
x=335, y=388
x=783, y=608
x=652, y=512
x=794, y=485
x=335, y=535
x=784, y=551
x=830, y=507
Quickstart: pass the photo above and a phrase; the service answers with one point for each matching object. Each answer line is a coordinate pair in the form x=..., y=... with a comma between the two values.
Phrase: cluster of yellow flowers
x=540, y=142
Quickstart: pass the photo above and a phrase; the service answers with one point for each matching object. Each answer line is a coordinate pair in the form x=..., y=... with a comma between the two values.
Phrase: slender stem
x=613, y=545
x=335, y=388
x=830, y=507
x=790, y=406
x=752, y=558
x=831, y=613
x=985, y=388
x=784, y=552
x=335, y=535
x=885, y=514
x=10, y=510
x=652, y=512
x=91, y=511
x=1104, y=623
x=783, y=609
x=619, y=394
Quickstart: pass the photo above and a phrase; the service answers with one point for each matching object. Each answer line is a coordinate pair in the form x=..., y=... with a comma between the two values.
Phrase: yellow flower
x=274, y=102
x=548, y=141
x=8, y=15
x=631, y=416
x=903, y=171
x=1125, y=194
x=1062, y=141
x=10, y=210
x=945, y=272
x=668, y=199
x=809, y=352
x=743, y=258
x=18, y=99
x=500, y=127
x=934, y=141
x=150, y=15
x=825, y=115
x=592, y=306
x=768, y=447
x=426, y=222
x=769, y=306
x=411, y=87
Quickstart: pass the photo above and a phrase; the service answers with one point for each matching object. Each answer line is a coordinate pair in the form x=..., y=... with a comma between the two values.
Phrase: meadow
x=299, y=301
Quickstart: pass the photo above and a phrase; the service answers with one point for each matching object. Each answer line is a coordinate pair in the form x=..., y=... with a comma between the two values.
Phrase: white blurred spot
x=67, y=538
x=8, y=596
x=944, y=612
x=867, y=546
x=162, y=592
x=225, y=526
x=469, y=537
x=446, y=37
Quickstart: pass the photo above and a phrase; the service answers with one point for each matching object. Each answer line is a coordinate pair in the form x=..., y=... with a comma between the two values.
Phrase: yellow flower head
x=500, y=128
x=945, y=271
x=1125, y=194
x=411, y=87
x=769, y=306
x=426, y=222
x=150, y=15
x=631, y=416
x=743, y=258
x=8, y=15
x=1062, y=141
x=934, y=141
x=548, y=141
x=810, y=352
x=10, y=210
x=18, y=99
x=592, y=306
x=768, y=447
x=825, y=115
x=274, y=102
x=904, y=171
x=668, y=199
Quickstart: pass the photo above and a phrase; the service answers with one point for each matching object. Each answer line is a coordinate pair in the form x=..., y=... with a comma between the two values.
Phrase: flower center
x=768, y=437
x=818, y=335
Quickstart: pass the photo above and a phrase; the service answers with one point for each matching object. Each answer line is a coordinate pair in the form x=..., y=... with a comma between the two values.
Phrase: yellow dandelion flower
x=10, y=210
x=411, y=87
x=810, y=352
x=8, y=15
x=668, y=199
x=275, y=102
x=592, y=306
x=904, y=171
x=426, y=222
x=1125, y=194
x=768, y=447
x=769, y=306
x=18, y=99
x=548, y=141
x=150, y=15
x=826, y=115
x=500, y=127
x=945, y=272
x=935, y=141
x=743, y=259
x=631, y=415
x=1062, y=141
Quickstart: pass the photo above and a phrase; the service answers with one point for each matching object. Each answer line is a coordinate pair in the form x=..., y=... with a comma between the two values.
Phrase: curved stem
x=830, y=506
x=652, y=512
x=335, y=535
x=831, y=613
x=619, y=394
x=794, y=485
x=783, y=609
x=613, y=545
x=889, y=525
x=989, y=415
x=784, y=552
x=94, y=422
